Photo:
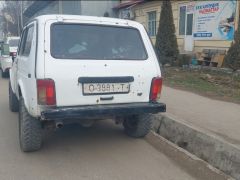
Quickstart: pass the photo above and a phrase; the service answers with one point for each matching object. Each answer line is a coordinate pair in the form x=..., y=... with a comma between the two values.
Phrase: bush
x=166, y=41
x=183, y=59
x=232, y=59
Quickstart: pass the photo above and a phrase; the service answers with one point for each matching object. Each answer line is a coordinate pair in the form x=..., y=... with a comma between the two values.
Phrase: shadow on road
x=101, y=134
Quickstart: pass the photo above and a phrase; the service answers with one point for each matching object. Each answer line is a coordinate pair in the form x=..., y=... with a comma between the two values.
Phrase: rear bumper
x=101, y=111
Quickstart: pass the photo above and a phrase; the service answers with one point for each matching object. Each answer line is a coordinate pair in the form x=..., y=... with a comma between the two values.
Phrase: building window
x=185, y=21
x=189, y=29
x=182, y=20
x=152, y=23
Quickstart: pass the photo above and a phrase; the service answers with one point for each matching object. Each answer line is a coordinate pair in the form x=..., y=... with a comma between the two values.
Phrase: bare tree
x=11, y=17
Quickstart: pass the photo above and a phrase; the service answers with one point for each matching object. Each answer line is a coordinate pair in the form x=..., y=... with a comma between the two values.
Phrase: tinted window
x=79, y=41
x=13, y=42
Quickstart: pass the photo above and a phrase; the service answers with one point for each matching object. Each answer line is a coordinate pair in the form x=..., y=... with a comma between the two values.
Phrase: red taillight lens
x=46, y=92
x=13, y=54
x=156, y=88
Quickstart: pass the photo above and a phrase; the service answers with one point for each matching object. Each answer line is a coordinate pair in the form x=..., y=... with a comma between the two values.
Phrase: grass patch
x=208, y=83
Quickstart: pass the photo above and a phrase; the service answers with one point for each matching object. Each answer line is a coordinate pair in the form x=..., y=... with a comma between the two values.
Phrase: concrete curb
x=218, y=153
x=194, y=166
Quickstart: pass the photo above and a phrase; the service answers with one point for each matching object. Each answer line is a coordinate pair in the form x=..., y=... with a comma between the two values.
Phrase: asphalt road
x=102, y=152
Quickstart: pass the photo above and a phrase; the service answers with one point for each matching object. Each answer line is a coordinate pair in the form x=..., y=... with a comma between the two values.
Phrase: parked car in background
x=82, y=69
x=5, y=59
x=8, y=53
x=1, y=42
x=13, y=44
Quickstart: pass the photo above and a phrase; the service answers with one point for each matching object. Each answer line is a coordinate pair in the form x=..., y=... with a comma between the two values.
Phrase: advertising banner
x=215, y=20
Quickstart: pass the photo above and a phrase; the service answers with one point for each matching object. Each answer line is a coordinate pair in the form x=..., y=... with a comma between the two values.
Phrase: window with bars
x=152, y=23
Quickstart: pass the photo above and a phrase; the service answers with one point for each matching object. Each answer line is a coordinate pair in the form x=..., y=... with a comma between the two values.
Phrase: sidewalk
x=212, y=116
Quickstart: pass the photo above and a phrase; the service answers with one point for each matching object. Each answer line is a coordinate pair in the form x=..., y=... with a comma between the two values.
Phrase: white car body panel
x=23, y=76
x=65, y=73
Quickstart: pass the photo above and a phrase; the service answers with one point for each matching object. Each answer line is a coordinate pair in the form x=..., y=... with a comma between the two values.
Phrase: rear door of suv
x=98, y=63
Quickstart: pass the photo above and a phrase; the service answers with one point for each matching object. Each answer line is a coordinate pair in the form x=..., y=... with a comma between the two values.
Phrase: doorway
x=188, y=39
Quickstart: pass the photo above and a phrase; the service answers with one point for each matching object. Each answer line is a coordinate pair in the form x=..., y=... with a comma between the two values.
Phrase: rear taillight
x=156, y=89
x=46, y=92
x=13, y=54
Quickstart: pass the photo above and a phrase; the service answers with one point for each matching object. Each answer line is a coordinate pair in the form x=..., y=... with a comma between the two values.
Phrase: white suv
x=82, y=69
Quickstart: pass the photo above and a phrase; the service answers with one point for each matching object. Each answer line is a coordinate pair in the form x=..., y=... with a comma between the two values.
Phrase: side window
x=20, y=46
x=27, y=42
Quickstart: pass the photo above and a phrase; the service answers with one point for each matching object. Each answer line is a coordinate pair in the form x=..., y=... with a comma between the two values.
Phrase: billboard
x=215, y=20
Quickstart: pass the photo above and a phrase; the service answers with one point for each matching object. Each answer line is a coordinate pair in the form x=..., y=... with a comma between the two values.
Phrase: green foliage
x=220, y=85
x=183, y=59
x=106, y=14
x=166, y=41
x=232, y=59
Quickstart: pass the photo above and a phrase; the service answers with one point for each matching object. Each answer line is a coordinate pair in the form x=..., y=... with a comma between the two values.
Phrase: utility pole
x=21, y=14
x=60, y=6
x=18, y=26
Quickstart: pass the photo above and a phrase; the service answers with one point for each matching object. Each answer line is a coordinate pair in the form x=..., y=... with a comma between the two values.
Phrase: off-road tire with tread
x=138, y=125
x=30, y=130
x=13, y=101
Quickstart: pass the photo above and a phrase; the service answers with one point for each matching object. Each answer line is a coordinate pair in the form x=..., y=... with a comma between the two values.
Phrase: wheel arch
x=21, y=92
x=11, y=79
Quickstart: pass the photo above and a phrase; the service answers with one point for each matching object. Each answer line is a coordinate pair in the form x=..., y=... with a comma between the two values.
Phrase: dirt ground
x=216, y=85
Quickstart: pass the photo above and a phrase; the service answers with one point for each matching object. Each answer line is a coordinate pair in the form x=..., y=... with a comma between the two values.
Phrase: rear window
x=81, y=41
x=13, y=42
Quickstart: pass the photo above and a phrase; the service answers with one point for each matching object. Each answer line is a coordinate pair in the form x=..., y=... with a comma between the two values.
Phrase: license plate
x=105, y=88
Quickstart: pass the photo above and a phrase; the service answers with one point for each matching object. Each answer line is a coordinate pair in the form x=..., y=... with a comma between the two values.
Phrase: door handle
x=106, y=98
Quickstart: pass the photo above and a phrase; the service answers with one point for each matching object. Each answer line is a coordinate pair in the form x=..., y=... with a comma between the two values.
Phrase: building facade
x=199, y=24
x=80, y=7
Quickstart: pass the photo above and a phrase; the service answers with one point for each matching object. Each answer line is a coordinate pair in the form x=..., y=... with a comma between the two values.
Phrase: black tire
x=13, y=101
x=138, y=125
x=30, y=130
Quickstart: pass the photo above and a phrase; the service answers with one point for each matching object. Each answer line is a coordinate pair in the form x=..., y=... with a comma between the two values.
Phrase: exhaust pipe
x=59, y=125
